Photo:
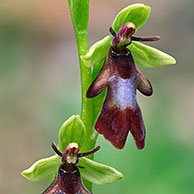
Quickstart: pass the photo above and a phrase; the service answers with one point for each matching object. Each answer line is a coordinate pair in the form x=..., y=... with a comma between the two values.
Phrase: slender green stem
x=87, y=104
x=79, y=10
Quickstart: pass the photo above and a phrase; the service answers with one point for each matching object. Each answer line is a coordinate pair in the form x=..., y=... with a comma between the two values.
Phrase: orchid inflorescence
x=110, y=63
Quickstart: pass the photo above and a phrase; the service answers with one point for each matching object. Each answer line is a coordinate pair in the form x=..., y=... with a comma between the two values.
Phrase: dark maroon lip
x=68, y=178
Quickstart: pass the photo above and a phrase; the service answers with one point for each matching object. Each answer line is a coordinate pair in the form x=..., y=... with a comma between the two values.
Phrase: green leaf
x=72, y=130
x=79, y=10
x=97, y=173
x=42, y=168
x=136, y=13
x=148, y=56
x=97, y=51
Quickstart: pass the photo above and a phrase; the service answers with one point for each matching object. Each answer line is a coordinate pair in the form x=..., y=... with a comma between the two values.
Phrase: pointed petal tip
x=26, y=174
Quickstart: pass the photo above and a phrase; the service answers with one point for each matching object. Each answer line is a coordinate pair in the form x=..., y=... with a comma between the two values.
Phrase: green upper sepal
x=72, y=130
x=137, y=14
x=143, y=55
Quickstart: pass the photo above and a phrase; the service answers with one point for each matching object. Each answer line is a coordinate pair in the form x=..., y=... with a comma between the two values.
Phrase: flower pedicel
x=120, y=112
x=68, y=179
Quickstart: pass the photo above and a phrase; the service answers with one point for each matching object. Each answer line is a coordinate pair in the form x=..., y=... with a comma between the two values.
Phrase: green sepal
x=137, y=13
x=94, y=172
x=72, y=130
x=148, y=56
x=43, y=168
x=97, y=51
x=52, y=177
x=97, y=173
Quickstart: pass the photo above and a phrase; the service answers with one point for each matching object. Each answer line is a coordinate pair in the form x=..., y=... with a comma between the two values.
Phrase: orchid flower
x=121, y=112
x=68, y=179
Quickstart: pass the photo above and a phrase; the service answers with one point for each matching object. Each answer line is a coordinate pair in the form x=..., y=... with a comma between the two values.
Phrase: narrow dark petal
x=88, y=153
x=56, y=150
x=144, y=85
x=145, y=39
x=100, y=83
x=113, y=33
x=94, y=89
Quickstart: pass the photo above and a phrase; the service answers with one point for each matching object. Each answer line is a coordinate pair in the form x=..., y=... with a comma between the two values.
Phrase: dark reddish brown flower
x=68, y=179
x=121, y=112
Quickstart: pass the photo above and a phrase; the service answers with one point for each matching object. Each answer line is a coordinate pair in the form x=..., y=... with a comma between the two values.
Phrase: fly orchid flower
x=120, y=112
x=68, y=179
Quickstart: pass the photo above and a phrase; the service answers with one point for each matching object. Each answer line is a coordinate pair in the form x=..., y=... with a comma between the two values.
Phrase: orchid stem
x=79, y=10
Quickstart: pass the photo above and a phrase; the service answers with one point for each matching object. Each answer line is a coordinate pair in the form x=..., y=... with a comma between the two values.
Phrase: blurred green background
x=40, y=89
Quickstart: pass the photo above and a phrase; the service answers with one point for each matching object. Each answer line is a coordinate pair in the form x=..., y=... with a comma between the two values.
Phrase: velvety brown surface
x=115, y=124
x=67, y=181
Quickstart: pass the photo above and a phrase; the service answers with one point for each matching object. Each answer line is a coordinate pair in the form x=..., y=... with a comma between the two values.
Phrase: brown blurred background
x=40, y=89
